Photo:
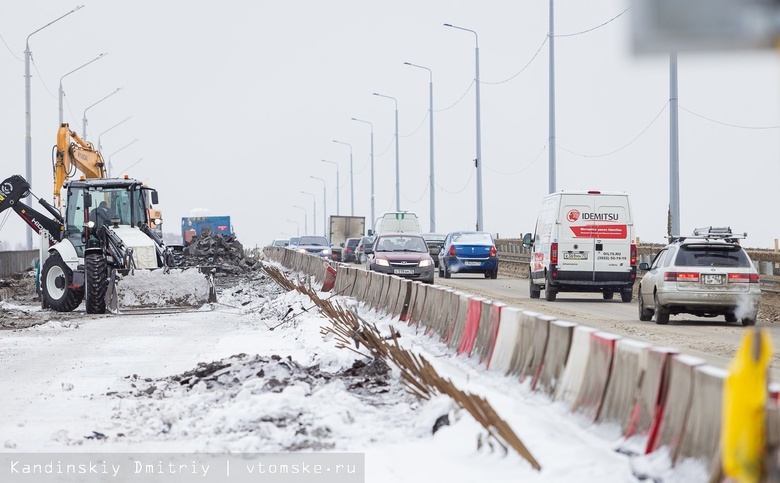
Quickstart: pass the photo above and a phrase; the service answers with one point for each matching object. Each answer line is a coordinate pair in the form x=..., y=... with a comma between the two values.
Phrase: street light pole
x=100, y=146
x=314, y=207
x=372, y=168
x=430, y=177
x=305, y=218
x=297, y=227
x=128, y=168
x=110, y=166
x=324, y=207
x=84, y=119
x=28, y=116
x=477, y=161
x=397, y=164
x=338, y=209
x=61, y=94
x=351, y=180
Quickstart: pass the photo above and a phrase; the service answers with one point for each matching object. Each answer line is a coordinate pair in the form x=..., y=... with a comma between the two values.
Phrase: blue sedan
x=468, y=252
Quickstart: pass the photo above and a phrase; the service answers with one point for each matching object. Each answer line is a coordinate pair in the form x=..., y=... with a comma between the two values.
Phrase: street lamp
x=100, y=146
x=314, y=208
x=338, y=209
x=110, y=166
x=430, y=176
x=305, y=218
x=397, y=169
x=28, y=115
x=69, y=73
x=477, y=161
x=351, y=179
x=84, y=119
x=325, y=207
x=128, y=168
x=297, y=227
x=372, y=166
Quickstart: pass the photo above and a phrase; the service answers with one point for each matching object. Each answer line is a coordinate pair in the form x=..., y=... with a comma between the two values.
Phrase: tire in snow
x=56, y=281
x=96, y=282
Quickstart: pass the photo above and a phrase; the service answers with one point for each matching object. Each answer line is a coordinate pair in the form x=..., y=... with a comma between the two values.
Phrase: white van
x=583, y=242
x=397, y=222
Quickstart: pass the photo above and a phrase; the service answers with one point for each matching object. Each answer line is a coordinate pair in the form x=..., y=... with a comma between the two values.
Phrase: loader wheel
x=56, y=281
x=96, y=282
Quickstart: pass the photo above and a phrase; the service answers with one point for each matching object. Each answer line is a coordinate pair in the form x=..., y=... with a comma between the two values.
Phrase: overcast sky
x=235, y=103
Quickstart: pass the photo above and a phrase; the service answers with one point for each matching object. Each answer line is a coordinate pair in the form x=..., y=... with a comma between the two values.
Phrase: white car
x=708, y=275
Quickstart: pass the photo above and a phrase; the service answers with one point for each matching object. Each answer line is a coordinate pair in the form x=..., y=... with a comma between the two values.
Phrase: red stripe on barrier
x=495, y=322
x=652, y=394
x=472, y=325
x=597, y=372
x=330, y=277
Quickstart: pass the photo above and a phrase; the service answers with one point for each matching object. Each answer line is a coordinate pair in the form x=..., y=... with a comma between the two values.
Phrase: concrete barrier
x=671, y=428
x=420, y=300
x=534, y=358
x=389, y=294
x=629, y=366
x=701, y=440
x=458, y=325
x=429, y=317
x=506, y=340
x=483, y=334
x=574, y=372
x=473, y=316
x=375, y=284
x=402, y=305
x=652, y=393
x=524, y=342
x=597, y=373
x=329, y=277
x=360, y=289
x=558, y=345
x=495, y=324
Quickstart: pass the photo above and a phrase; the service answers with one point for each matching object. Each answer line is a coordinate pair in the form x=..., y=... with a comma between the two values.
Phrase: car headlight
x=382, y=262
x=425, y=263
x=326, y=251
x=302, y=250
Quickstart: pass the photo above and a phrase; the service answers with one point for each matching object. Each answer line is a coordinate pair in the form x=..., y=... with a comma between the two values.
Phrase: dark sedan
x=402, y=254
x=349, y=252
x=314, y=245
x=468, y=252
x=435, y=242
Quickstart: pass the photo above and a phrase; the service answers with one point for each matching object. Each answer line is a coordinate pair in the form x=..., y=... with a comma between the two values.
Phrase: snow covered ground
x=254, y=374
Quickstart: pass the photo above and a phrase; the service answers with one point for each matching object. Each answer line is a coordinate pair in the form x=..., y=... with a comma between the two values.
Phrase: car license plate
x=472, y=264
x=713, y=279
x=403, y=271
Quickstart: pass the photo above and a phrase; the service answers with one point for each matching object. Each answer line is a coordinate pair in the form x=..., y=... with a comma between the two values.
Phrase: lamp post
x=397, y=169
x=477, y=161
x=128, y=168
x=84, y=119
x=28, y=115
x=100, y=146
x=305, y=218
x=351, y=180
x=372, y=167
x=430, y=176
x=61, y=93
x=314, y=208
x=338, y=209
x=324, y=207
x=297, y=227
x=110, y=166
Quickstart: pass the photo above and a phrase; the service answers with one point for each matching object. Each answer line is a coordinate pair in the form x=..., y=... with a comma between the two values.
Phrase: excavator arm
x=12, y=190
x=76, y=154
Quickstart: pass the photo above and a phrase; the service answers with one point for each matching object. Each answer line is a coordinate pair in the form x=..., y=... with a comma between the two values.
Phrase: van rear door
x=613, y=243
x=575, y=243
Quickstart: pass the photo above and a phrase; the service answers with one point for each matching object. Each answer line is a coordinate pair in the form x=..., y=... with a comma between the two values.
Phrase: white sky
x=235, y=103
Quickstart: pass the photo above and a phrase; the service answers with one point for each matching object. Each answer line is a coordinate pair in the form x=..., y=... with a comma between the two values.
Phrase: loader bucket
x=175, y=287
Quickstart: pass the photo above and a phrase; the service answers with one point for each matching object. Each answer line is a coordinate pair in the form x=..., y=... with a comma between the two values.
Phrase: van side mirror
x=644, y=266
x=527, y=240
x=370, y=233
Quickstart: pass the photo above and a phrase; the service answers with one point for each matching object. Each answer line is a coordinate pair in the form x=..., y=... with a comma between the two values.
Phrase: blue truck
x=203, y=225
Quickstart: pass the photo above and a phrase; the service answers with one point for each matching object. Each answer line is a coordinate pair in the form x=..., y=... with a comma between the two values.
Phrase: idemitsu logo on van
x=600, y=216
x=573, y=215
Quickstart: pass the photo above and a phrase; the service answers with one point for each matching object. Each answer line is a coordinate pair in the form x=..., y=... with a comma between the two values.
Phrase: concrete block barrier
x=420, y=300
x=574, y=372
x=597, y=373
x=555, y=355
x=534, y=358
x=402, y=305
x=360, y=289
x=429, y=317
x=524, y=342
x=439, y=311
x=628, y=368
x=329, y=277
x=473, y=316
x=671, y=428
x=483, y=334
x=506, y=340
x=390, y=297
x=701, y=439
x=375, y=286
x=652, y=392
x=458, y=325
x=451, y=310
x=495, y=324
x=342, y=272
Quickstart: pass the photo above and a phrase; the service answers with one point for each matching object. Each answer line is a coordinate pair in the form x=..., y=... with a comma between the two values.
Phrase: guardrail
x=14, y=262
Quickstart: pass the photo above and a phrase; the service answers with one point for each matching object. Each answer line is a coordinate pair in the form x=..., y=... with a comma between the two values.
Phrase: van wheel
x=661, y=314
x=645, y=314
x=749, y=320
x=608, y=295
x=627, y=295
x=534, y=291
x=730, y=317
x=549, y=294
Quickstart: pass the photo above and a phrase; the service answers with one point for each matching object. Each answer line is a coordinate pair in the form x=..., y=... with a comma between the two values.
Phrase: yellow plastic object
x=744, y=397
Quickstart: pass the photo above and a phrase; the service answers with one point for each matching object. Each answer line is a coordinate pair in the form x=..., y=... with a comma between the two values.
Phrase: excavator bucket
x=169, y=288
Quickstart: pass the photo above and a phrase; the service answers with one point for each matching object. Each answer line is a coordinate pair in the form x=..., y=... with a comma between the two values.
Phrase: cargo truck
x=342, y=227
x=203, y=225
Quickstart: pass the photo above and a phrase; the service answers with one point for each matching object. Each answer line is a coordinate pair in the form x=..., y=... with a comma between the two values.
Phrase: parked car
x=402, y=254
x=435, y=242
x=314, y=245
x=349, y=252
x=363, y=247
x=708, y=275
x=280, y=242
x=468, y=252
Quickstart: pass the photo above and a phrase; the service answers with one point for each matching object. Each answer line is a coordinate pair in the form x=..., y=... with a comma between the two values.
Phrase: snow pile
x=155, y=288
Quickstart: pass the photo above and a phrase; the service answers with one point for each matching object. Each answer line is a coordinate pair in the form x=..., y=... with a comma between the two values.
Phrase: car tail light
x=452, y=251
x=493, y=251
x=554, y=252
x=743, y=278
x=633, y=254
x=681, y=277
